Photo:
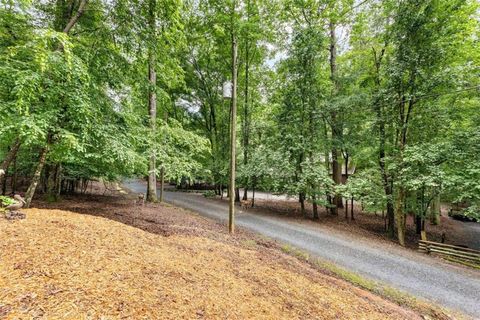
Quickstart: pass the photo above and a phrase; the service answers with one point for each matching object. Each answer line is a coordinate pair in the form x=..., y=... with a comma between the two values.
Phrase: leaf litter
x=71, y=265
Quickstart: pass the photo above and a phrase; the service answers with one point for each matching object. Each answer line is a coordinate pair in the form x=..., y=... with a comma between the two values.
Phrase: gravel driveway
x=414, y=273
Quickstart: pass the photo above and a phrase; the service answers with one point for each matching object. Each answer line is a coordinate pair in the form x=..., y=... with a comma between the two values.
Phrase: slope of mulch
x=172, y=264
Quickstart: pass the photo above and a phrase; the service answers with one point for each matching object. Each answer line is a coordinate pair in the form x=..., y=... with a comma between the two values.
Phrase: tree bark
x=233, y=131
x=418, y=224
x=74, y=19
x=390, y=212
x=386, y=178
x=162, y=182
x=152, y=103
x=336, y=126
x=435, y=210
x=352, y=217
x=14, y=176
x=329, y=206
x=4, y=182
x=36, y=176
x=51, y=178
x=301, y=199
x=253, y=190
x=237, y=194
x=246, y=120
x=337, y=179
x=315, y=208
x=400, y=215
x=12, y=153
x=346, y=179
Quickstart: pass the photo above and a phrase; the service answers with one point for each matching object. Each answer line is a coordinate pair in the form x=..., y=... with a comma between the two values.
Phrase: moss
x=302, y=255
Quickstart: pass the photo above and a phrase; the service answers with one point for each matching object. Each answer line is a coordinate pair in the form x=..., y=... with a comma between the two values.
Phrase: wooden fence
x=454, y=253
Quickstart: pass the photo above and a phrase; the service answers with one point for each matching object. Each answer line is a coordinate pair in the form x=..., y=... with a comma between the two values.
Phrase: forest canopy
x=376, y=100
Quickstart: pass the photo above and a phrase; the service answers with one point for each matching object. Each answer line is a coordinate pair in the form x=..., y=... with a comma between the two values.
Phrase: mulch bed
x=108, y=258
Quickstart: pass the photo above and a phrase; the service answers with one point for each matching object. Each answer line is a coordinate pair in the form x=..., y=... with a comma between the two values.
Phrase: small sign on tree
x=227, y=90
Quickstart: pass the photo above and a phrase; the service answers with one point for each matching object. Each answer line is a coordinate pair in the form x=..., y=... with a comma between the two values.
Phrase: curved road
x=414, y=273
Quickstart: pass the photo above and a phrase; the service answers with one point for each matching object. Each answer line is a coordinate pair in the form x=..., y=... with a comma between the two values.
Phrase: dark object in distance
x=457, y=212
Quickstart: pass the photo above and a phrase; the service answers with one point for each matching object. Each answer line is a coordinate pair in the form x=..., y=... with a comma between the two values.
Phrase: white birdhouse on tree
x=227, y=89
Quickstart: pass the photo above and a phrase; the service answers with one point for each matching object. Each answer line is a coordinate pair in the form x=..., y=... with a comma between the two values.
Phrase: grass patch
x=425, y=308
x=302, y=255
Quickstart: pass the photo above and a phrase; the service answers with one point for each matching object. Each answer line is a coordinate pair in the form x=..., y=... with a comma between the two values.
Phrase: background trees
x=109, y=89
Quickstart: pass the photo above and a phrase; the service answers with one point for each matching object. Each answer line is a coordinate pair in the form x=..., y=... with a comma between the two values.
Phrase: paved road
x=411, y=272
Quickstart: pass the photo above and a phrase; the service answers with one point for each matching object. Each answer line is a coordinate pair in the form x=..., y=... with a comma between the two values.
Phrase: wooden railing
x=462, y=255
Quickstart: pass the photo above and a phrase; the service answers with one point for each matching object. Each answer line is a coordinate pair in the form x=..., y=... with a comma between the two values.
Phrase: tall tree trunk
x=162, y=168
x=346, y=180
x=404, y=116
x=329, y=206
x=237, y=194
x=58, y=180
x=336, y=126
x=418, y=196
x=301, y=199
x=301, y=195
x=386, y=178
x=253, y=190
x=162, y=182
x=51, y=181
x=400, y=215
x=337, y=179
x=315, y=208
x=246, y=120
x=14, y=176
x=36, y=176
x=435, y=210
x=352, y=217
x=4, y=183
x=152, y=102
x=390, y=211
x=233, y=130
x=418, y=224
x=12, y=153
x=312, y=131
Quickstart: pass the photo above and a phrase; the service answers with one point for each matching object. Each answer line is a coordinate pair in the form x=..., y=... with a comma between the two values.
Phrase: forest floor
x=376, y=259
x=96, y=256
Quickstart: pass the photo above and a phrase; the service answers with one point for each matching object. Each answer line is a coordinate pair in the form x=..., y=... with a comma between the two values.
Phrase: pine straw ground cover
x=61, y=264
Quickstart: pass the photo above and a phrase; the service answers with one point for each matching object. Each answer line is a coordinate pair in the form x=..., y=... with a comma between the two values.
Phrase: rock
x=15, y=215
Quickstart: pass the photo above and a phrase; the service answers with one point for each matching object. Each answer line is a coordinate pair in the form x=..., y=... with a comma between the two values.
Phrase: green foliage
x=400, y=102
x=209, y=194
x=6, y=201
x=366, y=187
x=180, y=152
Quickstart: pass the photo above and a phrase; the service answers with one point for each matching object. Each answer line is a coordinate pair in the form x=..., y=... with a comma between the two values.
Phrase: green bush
x=209, y=194
x=6, y=201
